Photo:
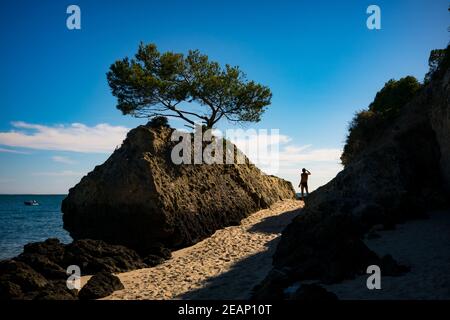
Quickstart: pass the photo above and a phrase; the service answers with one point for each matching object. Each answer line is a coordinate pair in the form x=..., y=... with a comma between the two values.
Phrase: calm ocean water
x=21, y=224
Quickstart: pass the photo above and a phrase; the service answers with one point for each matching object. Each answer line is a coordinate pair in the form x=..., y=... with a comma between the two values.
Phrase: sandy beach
x=235, y=259
x=226, y=265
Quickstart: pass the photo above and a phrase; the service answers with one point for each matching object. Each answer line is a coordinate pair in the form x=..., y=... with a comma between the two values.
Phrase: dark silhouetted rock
x=313, y=292
x=45, y=257
x=100, y=285
x=29, y=276
x=153, y=260
x=93, y=256
x=51, y=248
x=159, y=250
x=390, y=267
x=43, y=265
x=439, y=96
x=326, y=248
x=373, y=235
x=398, y=176
x=56, y=290
x=18, y=278
x=40, y=271
x=273, y=286
x=139, y=197
x=10, y=290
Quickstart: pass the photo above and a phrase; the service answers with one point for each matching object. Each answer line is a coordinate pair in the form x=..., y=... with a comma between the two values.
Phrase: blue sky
x=58, y=118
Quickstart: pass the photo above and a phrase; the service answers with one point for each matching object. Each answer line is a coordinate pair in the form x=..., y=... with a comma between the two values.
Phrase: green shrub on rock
x=386, y=106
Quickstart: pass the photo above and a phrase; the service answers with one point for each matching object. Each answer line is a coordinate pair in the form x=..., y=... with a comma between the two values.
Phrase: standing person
x=304, y=181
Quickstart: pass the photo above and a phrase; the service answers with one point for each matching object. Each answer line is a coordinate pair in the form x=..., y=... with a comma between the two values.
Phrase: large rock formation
x=139, y=198
x=403, y=173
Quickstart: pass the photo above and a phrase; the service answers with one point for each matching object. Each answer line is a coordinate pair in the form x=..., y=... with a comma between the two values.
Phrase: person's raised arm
x=307, y=171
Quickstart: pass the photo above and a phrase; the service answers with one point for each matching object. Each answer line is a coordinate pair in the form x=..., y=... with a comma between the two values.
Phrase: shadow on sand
x=238, y=282
x=275, y=224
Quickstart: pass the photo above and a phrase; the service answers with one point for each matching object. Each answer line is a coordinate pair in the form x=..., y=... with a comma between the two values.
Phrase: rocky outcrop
x=139, y=198
x=39, y=273
x=20, y=281
x=440, y=122
x=399, y=176
x=17, y=279
x=100, y=285
x=51, y=258
x=94, y=256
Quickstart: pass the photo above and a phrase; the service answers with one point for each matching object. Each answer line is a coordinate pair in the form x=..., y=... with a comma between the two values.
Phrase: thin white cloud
x=280, y=156
x=289, y=161
x=65, y=173
x=279, y=153
x=295, y=149
x=308, y=154
x=64, y=160
x=13, y=151
x=276, y=154
x=269, y=146
x=259, y=139
x=77, y=137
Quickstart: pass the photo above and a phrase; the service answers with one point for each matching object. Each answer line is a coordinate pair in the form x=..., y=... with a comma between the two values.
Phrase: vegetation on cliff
x=399, y=171
x=438, y=62
x=369, y=123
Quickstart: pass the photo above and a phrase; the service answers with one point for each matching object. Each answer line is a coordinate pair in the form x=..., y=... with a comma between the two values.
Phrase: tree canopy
x=394, y=95
x=167, y=84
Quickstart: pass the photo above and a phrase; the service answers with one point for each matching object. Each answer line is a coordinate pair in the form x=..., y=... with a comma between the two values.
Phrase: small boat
x=31, y=203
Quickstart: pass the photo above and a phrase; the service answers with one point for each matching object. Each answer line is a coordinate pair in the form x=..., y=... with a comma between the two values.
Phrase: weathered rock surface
x=45, y=257
x=43, y=265
x=139, y=198
x=56, y=290
x=399, y=176
x=51, y=258
x=94, y=256
x=39, y=273
x=17, y=279
x=152, y=260
x=391, y=268
x=100, y=285
x=440, y=122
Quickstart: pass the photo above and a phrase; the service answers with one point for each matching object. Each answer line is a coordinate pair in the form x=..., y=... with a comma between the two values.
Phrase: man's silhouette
x=304, y=181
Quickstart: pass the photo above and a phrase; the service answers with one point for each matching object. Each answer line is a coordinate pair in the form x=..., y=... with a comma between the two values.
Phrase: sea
x=21, y=224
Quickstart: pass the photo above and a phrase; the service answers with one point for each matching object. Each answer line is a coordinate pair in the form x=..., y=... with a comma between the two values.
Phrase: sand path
x=226, y=265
